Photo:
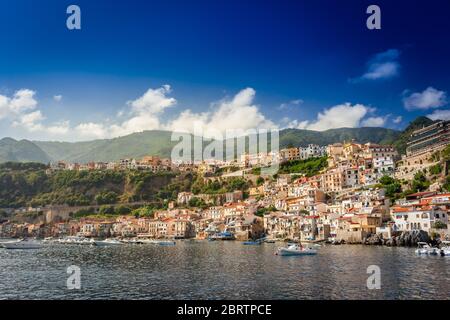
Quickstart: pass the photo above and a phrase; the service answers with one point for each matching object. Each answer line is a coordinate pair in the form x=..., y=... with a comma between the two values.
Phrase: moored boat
x=424, y=248
x=22, y=244
x=108, y=243
x=295, y=250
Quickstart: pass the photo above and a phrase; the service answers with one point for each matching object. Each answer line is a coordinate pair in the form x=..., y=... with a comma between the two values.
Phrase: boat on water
x=22, y=244
x=75, y=240
x=251, y=243
x=295, y=250
x=424, y=248
x=223, y=236
x=108, y=243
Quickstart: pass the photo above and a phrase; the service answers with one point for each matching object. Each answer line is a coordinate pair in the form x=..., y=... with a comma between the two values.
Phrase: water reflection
x=220, y=270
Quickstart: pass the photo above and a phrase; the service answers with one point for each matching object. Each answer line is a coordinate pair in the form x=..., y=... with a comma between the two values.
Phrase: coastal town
x=364, y=193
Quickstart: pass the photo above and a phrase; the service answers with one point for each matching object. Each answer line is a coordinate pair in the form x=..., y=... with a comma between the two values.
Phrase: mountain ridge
x=158, y=142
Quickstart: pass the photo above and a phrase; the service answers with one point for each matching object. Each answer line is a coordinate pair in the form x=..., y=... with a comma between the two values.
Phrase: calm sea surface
x=220, y=270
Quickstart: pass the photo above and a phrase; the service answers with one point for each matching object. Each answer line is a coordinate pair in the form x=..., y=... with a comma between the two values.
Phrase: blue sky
x=139, y=65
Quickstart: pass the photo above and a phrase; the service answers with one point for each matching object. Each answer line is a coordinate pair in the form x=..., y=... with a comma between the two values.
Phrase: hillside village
x=345, y=192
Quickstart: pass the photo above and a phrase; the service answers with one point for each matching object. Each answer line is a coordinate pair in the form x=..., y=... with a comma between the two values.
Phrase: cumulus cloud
x=144, y=113
x=57, y=98
x=240, y=112
x=374, y=122
x=20, y=109
x=340, y=116
x=22, y=101
x=383, y=65
x=427, y=99
x=440, y=115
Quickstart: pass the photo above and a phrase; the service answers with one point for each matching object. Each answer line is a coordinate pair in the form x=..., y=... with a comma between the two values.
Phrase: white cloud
x=373, y=122
x=237, y=113
x=340, y=116
x=285, y=105
x=57, y=98
x=91, y=130
x=143, y=115
x=23, y=100
x=383, y=65
x=429, y=98
x=397, y=120
x=440, y=115
x=153, y=101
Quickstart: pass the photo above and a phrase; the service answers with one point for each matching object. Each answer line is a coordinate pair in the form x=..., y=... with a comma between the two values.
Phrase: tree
x=122, y=210
x=259, y=181
x=386, y=180
x=439, y=225
x=197, y=203
x=109, y=197
x=420, y=182
x=106, y=210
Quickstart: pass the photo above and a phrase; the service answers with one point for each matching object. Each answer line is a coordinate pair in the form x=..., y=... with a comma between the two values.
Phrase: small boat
x=22, y=244
x=269, y=241
x=424, y=248
x=251, y=243
x=108, y=243
x=295, y=250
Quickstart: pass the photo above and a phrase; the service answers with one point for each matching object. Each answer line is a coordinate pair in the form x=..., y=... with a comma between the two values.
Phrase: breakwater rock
x=405, y=239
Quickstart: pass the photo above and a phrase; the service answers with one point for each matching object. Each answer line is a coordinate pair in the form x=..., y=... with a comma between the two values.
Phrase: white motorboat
x=108, y=243
x=295, y=250
x=22, y=244
x=424, y=248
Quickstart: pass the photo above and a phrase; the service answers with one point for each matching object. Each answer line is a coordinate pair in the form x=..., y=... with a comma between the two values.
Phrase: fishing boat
x=22, y=244
x=108, y=243
x=295, y=250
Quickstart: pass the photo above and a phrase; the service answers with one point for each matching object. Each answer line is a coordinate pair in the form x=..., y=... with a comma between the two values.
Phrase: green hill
x=159, y=143
x=21, y=151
